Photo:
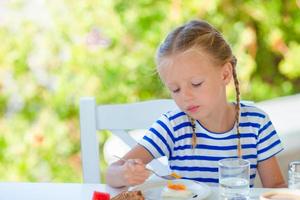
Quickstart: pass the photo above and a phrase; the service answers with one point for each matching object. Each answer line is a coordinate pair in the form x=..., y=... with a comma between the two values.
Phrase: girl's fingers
x=137, y=180
x=136, y=165
x=138, y=161
x=135, y=172
x=130, y=165
x=134, y=178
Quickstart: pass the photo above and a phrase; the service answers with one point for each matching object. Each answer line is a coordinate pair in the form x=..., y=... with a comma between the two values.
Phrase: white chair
x=117, y=118
x=284, y=113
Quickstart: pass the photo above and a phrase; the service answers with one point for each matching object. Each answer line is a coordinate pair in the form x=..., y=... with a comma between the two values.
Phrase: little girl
x=196, y=64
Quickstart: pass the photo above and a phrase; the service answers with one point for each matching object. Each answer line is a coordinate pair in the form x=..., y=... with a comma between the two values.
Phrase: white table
x=52, y=191
x=74, y=191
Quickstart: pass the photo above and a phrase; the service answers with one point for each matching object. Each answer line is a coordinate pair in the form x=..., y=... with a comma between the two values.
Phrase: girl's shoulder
x=250, y=113
x=251, y=109
x=175, y=115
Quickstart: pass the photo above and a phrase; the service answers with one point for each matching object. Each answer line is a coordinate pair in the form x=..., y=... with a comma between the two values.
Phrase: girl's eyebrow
x=197, y=79
x=172, y=85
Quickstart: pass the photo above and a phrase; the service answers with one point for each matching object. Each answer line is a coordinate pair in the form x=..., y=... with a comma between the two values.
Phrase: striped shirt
x=171, y=136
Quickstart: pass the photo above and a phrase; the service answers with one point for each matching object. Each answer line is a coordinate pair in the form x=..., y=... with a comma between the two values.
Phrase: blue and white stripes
x=171, y=136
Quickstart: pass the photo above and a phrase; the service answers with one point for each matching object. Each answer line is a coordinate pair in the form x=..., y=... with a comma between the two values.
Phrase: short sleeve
x=268, y=142
x=159, y=139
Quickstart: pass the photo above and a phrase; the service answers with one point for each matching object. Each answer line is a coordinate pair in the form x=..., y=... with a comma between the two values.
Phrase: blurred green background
x=54, y=52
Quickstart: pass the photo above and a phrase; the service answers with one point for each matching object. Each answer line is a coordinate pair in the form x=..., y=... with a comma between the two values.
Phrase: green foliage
x=53, y=53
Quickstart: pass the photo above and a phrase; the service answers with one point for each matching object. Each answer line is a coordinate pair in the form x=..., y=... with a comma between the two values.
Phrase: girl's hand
x=134, y=172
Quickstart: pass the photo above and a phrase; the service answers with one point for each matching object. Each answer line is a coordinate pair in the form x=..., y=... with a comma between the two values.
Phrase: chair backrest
x=117, y=118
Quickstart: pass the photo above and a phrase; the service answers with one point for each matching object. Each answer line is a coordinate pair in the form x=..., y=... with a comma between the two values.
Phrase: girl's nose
x=187, y=94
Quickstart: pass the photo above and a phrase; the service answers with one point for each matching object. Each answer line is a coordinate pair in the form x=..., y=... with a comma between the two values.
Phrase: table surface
x=75, y=191
x=52, y=191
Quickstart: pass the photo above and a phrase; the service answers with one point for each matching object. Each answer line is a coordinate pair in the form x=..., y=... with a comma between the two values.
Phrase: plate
x=281, y=194
x=152, y=188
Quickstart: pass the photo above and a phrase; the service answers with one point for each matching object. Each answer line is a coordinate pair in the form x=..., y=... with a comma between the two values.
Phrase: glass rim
x=294, y=162
x=294, y=167
x=243, y=163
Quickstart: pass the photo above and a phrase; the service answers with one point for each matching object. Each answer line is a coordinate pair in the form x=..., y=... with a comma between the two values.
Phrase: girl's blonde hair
x=201, y=35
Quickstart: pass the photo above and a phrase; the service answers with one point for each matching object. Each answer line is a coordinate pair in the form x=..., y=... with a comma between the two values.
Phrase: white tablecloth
x=74, y=191
x=52, y=191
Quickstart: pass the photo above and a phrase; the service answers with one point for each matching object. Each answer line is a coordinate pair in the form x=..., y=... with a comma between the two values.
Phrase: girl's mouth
x=192, y=109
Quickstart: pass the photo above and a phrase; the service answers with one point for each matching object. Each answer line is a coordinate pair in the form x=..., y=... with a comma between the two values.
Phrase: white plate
x=152, y=188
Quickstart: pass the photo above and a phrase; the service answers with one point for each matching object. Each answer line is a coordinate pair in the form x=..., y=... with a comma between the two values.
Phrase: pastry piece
x=129, y=195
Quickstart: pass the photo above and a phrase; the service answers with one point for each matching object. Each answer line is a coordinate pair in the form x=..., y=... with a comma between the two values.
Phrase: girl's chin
x=197, y=116
x=194, y=115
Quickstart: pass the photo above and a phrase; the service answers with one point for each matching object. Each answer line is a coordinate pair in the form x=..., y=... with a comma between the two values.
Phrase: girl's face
x=195, y=82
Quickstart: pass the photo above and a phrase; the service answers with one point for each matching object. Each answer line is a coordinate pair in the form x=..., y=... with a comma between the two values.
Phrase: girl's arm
x=131, y=172
x=270, y=173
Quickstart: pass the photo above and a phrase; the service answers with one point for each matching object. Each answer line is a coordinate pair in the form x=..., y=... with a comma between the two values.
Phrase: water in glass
x=234, y=188
x=294, y=175
x=234, y=179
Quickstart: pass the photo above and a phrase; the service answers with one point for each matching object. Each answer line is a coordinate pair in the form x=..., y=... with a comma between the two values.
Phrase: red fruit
x=101, y=196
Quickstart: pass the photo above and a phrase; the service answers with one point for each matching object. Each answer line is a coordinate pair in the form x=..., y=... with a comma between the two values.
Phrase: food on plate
x=176, y=191
x=175, y=175
x=175, y=186
x=101, y=196
x=129, y=195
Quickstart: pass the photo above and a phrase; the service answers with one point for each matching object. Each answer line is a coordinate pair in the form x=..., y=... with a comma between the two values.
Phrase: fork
x=167, y=177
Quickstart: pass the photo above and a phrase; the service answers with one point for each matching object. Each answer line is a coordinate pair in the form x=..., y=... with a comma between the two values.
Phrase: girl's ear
x=226, y=73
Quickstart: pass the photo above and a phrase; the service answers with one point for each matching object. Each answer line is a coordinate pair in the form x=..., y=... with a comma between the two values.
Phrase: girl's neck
x=222, y=120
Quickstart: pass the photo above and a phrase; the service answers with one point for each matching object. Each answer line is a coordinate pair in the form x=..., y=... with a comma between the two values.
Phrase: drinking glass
x=234, y=174
x=294, y=175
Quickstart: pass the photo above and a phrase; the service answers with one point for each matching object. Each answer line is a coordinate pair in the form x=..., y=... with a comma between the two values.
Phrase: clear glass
x=234, y=175
x=294, y=175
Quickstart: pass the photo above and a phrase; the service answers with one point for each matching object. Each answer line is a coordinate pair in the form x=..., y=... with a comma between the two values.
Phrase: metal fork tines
x=167, y=177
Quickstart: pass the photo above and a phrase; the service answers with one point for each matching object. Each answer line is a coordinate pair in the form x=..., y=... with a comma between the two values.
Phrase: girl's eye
x=176, y=90
x=197, y=84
